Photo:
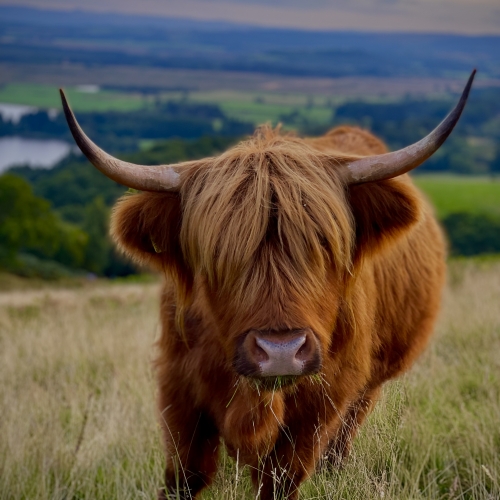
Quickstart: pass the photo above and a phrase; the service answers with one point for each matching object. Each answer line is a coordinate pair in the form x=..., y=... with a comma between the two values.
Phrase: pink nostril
x=259, y=354
x=306, y=350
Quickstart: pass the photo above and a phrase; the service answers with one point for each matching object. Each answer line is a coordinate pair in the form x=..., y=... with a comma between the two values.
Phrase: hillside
x=43, y=37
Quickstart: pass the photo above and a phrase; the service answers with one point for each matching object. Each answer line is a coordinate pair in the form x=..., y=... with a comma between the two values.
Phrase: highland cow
x=301, y=274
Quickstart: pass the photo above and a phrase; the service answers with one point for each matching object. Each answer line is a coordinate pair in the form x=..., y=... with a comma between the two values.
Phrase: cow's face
x=267, y=233
x=268, y=240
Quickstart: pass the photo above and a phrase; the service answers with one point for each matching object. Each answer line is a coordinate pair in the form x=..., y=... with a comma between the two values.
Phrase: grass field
x=265, y=110
x=254, y=107
x=261, y=107
x=47, y=96
x=78, y=415
x=454, y=193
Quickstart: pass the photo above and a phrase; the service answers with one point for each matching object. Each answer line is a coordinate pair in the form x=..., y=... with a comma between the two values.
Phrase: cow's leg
x=192, y=443
x=293, y=459
x=340, y=446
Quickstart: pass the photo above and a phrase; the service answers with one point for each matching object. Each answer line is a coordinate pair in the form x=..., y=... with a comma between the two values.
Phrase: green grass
x=259, y=112
x=262, y=107
x=452, y=193
x=254, y=112
x=46, y=96
x=255, y=107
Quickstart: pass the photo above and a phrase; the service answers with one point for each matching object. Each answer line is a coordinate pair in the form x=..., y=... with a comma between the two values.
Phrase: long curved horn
x=142, y=177
x=389, y=165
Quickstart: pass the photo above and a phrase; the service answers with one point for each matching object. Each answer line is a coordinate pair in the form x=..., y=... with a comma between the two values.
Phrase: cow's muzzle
x=278, y=353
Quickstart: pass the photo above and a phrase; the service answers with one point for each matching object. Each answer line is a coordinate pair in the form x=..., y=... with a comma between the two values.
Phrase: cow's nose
x=272, y=354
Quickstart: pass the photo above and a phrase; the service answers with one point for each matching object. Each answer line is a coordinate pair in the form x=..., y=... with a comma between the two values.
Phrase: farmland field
x=47, y=96
x=262, y=110
x=79, y=421
x=454, y=193
x=255, y=107
x=261, y=107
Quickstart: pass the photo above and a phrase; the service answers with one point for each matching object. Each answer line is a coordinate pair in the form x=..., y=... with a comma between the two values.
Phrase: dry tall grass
x=77, y=414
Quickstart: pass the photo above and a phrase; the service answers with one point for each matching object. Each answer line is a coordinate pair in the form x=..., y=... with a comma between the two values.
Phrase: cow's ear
x=383, y=212
x=146, y=227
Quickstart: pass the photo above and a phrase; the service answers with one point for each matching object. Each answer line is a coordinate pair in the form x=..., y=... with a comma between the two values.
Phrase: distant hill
x=30, y=36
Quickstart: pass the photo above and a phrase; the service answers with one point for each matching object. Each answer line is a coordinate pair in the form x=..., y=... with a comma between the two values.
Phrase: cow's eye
x=324, y=243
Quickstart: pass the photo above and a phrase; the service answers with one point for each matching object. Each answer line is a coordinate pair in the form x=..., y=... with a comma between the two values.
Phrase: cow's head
x=263, y=241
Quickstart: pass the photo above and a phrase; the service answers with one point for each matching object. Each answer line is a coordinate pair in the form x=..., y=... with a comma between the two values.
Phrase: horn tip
x=64, y=100
x=471, y=77
x=467, y=88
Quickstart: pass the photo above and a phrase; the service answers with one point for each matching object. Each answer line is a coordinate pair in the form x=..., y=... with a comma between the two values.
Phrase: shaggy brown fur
x=267, y=237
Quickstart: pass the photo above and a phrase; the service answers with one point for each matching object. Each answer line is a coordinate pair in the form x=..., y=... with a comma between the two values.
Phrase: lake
x=33, y=152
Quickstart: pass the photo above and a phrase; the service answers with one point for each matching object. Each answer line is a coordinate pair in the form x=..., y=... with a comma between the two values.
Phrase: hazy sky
x=460, y=16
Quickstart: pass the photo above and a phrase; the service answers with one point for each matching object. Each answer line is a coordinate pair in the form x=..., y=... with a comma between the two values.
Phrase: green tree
x=27, y=224
x=495, y=164
x=72, y=246
x=473, y=234
x=95, y=224
x=25, y=220
x=100, y=255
